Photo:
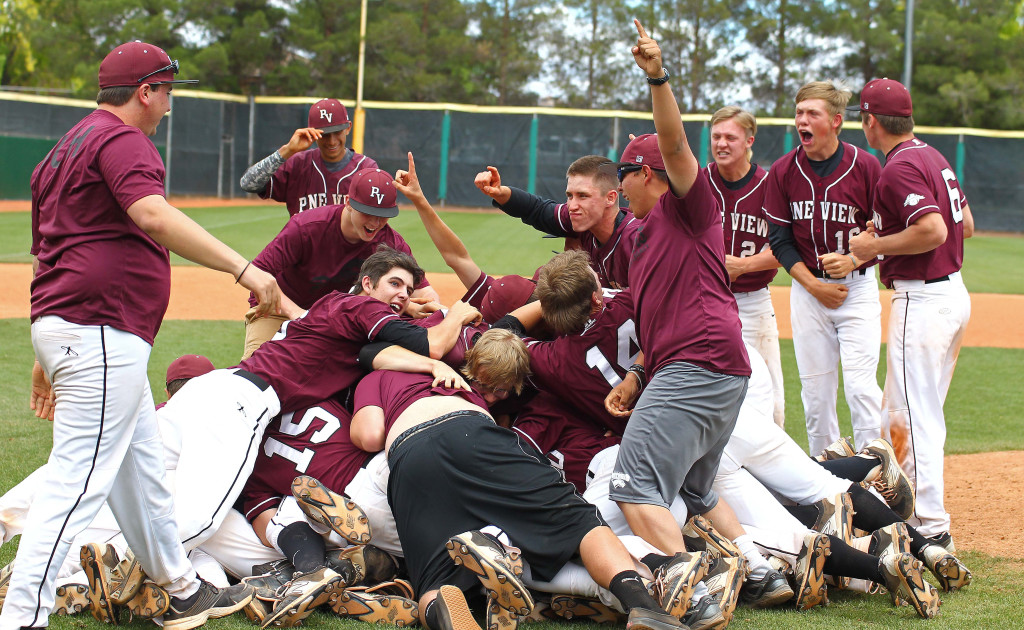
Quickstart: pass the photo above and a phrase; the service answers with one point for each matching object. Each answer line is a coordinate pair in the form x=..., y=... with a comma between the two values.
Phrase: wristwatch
x=659, y=80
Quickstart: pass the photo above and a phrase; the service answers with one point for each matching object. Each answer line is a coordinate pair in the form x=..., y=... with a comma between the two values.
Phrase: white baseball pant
x=926, y=327
x=761, y=332
x=822, y=337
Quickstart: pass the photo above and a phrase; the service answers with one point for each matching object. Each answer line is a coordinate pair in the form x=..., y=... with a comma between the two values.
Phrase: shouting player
x=818, y=197
x=920, y=219
x=303, y=178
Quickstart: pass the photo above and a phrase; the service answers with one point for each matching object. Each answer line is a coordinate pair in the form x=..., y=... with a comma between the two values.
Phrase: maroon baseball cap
x=136, y=63
x=640, y=151
x=372, y=191
x=885, y=97
x=505, y=295
x=188, y=366
x=329, y=115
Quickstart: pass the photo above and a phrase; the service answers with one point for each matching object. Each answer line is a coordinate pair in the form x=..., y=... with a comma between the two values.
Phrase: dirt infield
x=996, y=321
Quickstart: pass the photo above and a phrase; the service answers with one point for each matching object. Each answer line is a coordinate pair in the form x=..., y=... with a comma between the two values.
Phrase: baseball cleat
x=644, y=619
x=363, y=564
x=126, y=579
x=100, y=604
x=575, y=607
x=890, y=481
x=706, y=614
x=843, y=447
x=725, y=582
x=905, y=581
x=5, y=581
x=257, y=610
x=499, y=569
x=149, y=601
x=370, y=607
x=810, y=571
x=453, y=611
x=330, y=509
x=947, y=568
x=700, y=535
x=944, y=540
x=301, y=596
x=892, y=539
x=771, y=589
x=835, y=517
x=209, y=602
x=498, y=618
x=71, y=599
x=675, y=580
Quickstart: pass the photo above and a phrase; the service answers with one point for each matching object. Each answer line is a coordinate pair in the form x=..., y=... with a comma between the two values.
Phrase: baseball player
x=182, y=370
x=590, y=214
x=322, y=250
x=818, y=198
x=304, y=178
x=676, y=434
x=101, y=229
x=739, y=189
x=919, y=222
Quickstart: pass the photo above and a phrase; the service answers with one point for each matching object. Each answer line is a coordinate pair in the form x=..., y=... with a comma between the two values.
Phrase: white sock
x=758, y=565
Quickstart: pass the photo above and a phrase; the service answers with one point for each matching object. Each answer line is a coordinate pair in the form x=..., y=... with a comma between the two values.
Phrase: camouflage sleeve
x=255, y=178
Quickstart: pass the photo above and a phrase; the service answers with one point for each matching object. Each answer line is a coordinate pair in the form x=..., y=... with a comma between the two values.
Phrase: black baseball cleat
x=644, y=619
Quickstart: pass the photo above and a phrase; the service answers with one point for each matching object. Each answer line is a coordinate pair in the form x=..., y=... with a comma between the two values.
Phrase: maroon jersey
x=824, y=212
x=395, y=391
x=96, y=267
x=568, y=441
x=744, y=223
x=310, y=257
x=684, y=308
x=314, y=441
x=592, y=362
x=917, y=180
x=314, y=357
x=304, y=181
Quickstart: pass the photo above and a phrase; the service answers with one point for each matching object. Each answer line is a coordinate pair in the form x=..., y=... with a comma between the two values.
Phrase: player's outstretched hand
x=489, y=182
x=407, y=182
x=647, y=53
x=830, y=295
x=41, y=397
x=619, y=402
x=301, y=140
x=464, y=313
x=421, y=307
x=264, y=287
x=444, y=375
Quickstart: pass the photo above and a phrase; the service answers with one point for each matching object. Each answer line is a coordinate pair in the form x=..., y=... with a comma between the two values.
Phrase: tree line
x=968, y=55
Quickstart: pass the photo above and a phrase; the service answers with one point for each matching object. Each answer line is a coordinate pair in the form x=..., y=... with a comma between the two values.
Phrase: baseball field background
x=984, y=409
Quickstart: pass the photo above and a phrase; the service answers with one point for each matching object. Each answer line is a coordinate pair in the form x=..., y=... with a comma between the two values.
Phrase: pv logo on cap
x=326, y=114
x=377, y=194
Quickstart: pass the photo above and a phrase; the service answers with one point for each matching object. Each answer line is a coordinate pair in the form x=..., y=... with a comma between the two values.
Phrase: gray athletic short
x=675, y=437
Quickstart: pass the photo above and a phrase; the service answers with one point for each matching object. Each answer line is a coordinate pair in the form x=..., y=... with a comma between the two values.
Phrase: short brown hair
x=384, y=260
x=895, y=125
x=498, y=358
x=564, y=288
x=590, y=166
x=742, y=117
x=117, y=95
x=835, y=94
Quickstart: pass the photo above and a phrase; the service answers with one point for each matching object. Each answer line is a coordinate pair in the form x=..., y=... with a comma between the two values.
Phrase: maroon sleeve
x=698, y=210
x=368, y=392
x=775, y=206
x=131, y=167
x=904, y=195
x=359, y=320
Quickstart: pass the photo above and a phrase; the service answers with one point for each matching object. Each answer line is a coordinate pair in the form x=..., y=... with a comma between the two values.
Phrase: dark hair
x=175, y=385
x=564, y=288
x=895, y=125
x=384, y=260
x=117, y=95
x=590, y=166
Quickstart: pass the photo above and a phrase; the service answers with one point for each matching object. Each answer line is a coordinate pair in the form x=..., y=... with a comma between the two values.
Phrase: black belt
x=429, y=424
x=934, y=280
x=252, y=378
x=818, y=273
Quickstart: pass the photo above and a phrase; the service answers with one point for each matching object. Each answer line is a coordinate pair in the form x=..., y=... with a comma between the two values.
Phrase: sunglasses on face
x=487, y=389
x=173, y=67
x=622, y=171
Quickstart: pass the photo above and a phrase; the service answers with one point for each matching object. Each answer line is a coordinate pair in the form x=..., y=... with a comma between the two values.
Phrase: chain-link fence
x=210, y=139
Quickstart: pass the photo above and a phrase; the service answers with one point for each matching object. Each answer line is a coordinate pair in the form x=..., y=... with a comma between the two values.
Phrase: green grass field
x=983, y=408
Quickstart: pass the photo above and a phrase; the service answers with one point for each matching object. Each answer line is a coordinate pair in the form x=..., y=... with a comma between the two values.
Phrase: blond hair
x=499, y=358
x=835, y=94
x=564, y=288
x=742, y=117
